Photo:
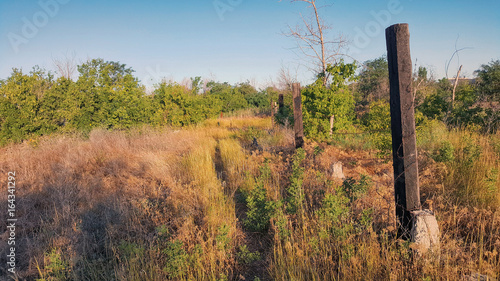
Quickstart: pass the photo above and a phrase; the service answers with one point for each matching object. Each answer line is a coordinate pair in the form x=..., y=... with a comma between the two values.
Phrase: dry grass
x=163, y=204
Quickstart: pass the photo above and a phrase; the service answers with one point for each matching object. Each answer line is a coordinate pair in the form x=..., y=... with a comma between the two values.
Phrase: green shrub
x=223, y=240
x=378, y=124
x=284, y=116
x=246, y=257
x=177, y=259
x=354, y=190
x=445, y=152
x=435, y=105
x=473, y=174
x=260, y=209
x=55, y=267
x=295, y=200
x=252, y=132
x=231, y=97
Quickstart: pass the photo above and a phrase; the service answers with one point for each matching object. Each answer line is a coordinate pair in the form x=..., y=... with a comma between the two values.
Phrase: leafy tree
x=169, y=103
x=422, y=86
x=246, y=89
x=58, y=105
x=465, y=113
x=232, y=99
x=175, y=105
x=378, y=122
x=253, y=97
x=422, y=73
x=489, y=81
x=373, y=81
x=108, y=95
x=258, y=99
x=320, y=103
x=435, y=106
x=20, y=98
x=196, y=84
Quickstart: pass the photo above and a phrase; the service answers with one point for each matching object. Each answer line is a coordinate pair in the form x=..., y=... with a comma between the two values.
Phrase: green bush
x=55, y=267
x=354, y=190
x=177, y=259
x=176, y=106
x=378, y=124
x=21, y=113
x=231, y=98
x=435, y=105
x=260, y=209
x=247, y=257
x=295, y=199
x=445, y=152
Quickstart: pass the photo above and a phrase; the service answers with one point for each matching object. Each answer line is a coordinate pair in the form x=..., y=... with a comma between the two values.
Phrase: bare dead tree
x=66, y=66
x=312, y=40
x=186, y=83
x=455, y=88
x=286, y=78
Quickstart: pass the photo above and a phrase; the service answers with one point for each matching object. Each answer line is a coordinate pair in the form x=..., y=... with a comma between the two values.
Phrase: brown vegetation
x=164, y=204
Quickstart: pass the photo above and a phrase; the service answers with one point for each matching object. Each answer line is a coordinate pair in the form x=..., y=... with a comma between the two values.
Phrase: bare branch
x=311, y=39
x=457, y=51
x=66, y=67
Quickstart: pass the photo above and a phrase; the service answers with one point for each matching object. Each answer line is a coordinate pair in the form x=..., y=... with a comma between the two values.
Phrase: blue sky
x=242, y=40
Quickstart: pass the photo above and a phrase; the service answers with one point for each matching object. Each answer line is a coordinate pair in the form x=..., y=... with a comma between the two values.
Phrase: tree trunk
x=322, y=42
x=332, y=118
x=455, y=88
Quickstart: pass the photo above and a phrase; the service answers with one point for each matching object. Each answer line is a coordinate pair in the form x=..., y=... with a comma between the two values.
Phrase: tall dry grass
x=174, y=205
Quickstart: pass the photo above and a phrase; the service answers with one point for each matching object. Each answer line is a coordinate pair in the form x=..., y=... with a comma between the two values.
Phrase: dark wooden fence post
x=272, y=113
x=298, y=126
x=404, y=150
x=281, y=103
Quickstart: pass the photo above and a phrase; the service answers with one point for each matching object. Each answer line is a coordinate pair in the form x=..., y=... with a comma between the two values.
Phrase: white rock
x=337, y=171
x=425, y=232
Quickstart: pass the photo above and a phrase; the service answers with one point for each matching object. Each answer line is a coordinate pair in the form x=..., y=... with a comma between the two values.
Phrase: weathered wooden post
x=272, y=113
x=404, y=150
x=298, y=126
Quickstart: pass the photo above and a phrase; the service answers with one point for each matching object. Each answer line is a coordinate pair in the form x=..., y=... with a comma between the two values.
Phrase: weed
x=353, y=190
x=247, y=257
x=157, y=204
x=222, y=238
x=318, y=150
x=445, y=152
x=260, y=210
x=55, y=267
x=252, y=133
x=176, y=259
x=295, y=200
x=130, y=250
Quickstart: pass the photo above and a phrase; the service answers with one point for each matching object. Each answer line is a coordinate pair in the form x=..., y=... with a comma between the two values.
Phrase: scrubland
x=231, y=199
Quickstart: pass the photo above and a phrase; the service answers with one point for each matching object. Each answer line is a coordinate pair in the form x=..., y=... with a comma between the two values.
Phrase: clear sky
x=236, y=40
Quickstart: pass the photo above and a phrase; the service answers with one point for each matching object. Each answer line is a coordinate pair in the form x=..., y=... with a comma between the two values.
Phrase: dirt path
x=255, y=241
